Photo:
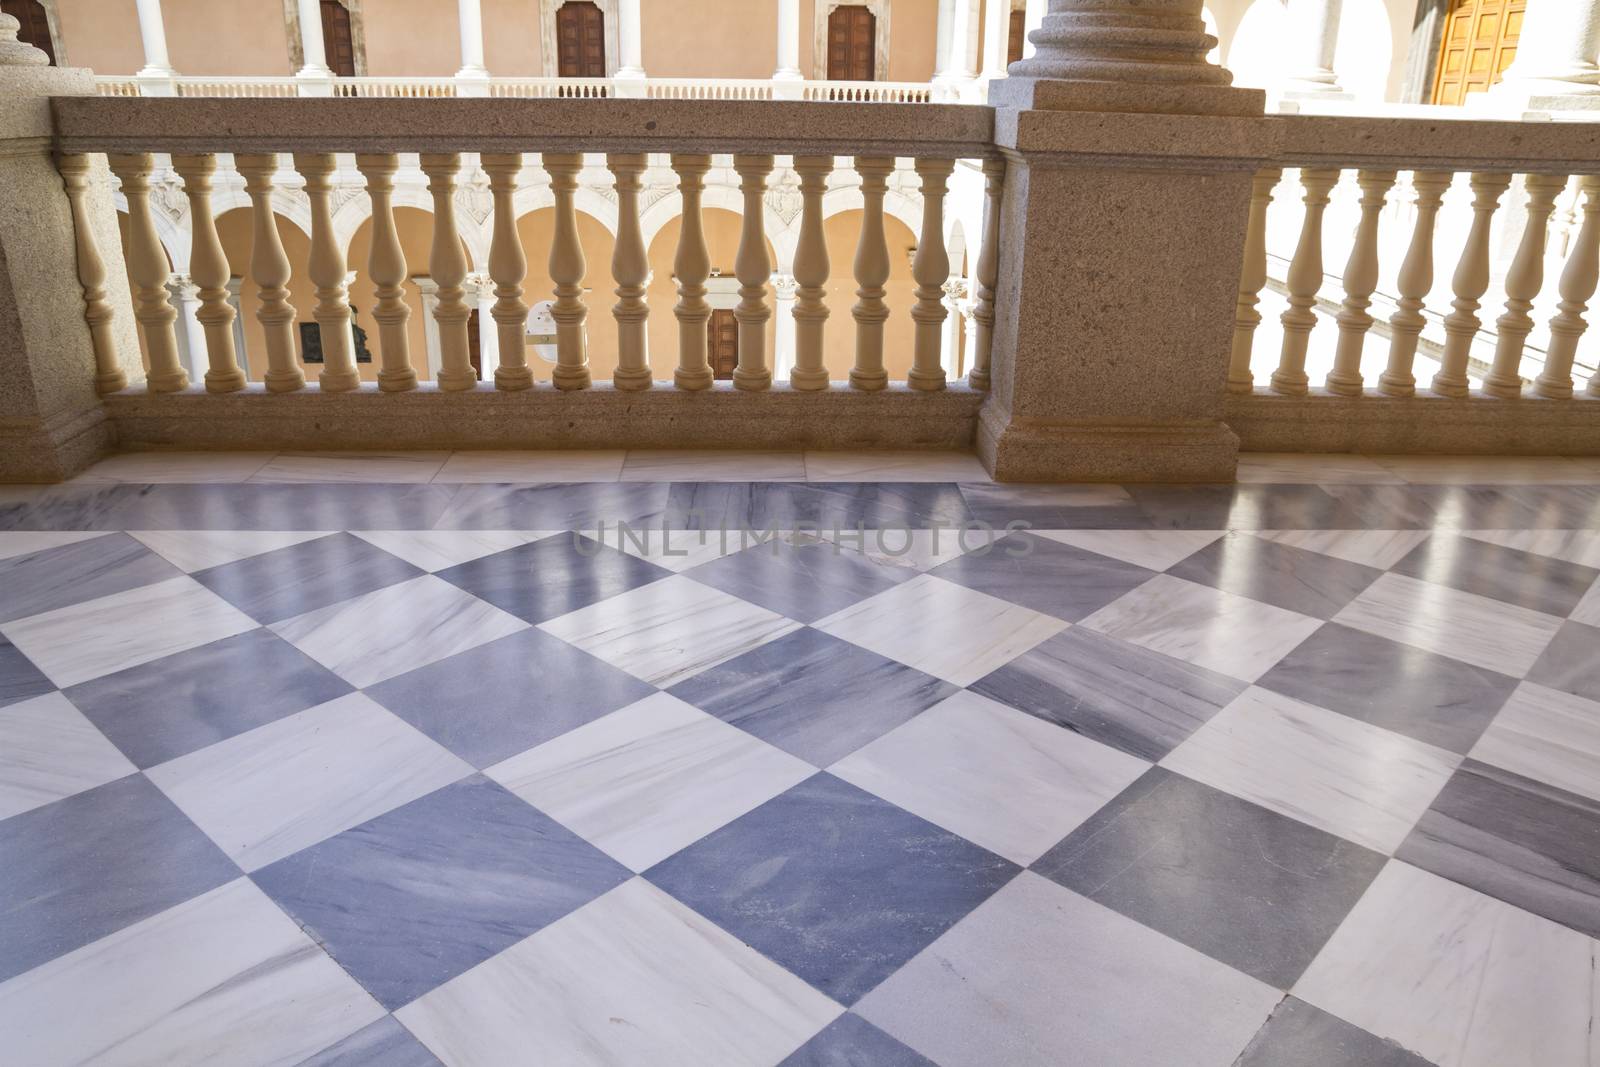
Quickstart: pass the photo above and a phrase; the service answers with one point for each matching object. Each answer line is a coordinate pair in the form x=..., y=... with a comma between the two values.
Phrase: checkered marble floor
x=1275, y=775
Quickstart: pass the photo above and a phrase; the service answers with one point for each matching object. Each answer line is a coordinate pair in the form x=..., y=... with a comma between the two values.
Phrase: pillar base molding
x=1024, y=450
x=53, y=450
x=1054, y=94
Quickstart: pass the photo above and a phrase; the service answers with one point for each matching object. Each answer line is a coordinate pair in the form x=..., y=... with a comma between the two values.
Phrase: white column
x=1556, y=56
x=473, y=77
x=630, y=49
x=996, y=38
x=1031, y=21
x=191, y=335
x=784, y=287
x=1315, y=26
x=954, y=44
x=955, y=293
x=315, y=77
x=155, y=77
x=430, y=325
x=787, y=75
x=480, y=295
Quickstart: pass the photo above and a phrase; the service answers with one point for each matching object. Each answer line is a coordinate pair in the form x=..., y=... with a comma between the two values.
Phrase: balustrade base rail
x=601, y=417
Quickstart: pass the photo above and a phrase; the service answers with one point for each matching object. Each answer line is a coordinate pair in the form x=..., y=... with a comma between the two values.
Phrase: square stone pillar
x=1122, y=235
x=52, y=423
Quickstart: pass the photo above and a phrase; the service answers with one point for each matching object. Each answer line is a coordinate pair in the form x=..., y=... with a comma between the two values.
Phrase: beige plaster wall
x=418, y=37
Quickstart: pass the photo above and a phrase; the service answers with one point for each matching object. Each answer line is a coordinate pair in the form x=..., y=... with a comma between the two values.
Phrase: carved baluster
x=208, y=266
x=567, y=268
x=1470, y=282
x=1360, y=279
x=987, y=273
x=872, y=271
x=930, y=267
x=753, y=268
x=692, y=265
x=508, y=266
x=270, y=270
x=109, y=376
x=1578, y=281
x=447, y=265
x=148, y=269
x=387, y=266
x=1523, y=282
x=328, y=272
x=1414, y=282
x=631, y=270
x=1305, y=278
x=811, y=274
x=1252, y=277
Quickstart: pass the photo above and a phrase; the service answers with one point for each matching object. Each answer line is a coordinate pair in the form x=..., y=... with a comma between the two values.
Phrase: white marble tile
x=675, y=550
x=1469, y=627
x=904, y=466
x=693, y=465
x=1232, y=634
x=279, y=788
x=917, y=550
x=1290, y=468
x=48, y=750
x=176, y=467
x=1460, y=978
x=435, y=550
x=633, y=978
x=669, y=630
x=83, y=641
x=1000, y=778
x=1575, y=546
x=25, y=543
x=1371, y=548
x=1486, y=470
x=533, y=466
x=195, y=550
x=352, y=467
x=225, y=978
x=1546, y=735
x=396, y=629
x=1588, y=609
x=1155, y=549
x=651, y=778
x=943, y=629
x=1366, y=784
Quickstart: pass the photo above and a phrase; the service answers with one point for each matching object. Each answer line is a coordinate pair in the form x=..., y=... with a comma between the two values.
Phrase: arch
x=782, y=236
x=358, y=34
x=549, y=51
x=896, y=205
x=822, y=9
x=174, y=236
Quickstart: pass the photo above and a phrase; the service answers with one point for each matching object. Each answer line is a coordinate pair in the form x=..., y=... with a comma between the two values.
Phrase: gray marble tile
x=198, y=550
x=551, y=576
x=56, y=577
x=1574, y=546
x=1571, y=662
x=1303, y=1035
x=19, y=678
x=508, y=695
x=1293, y=578
x=1240, y=507
x=172, y=706
x=16, y=544
x=385, y=1043
x=1536, y=582
x=418, y=895
x=280, y=507
x=552, y=506
x=48, y=750
x=1433, y=698
x=1051, y=977
x=851, y=1041
x=633, y=978
x=813, y=695
x=802, y=581
x=1247, y=886
x=279, y=584
x=1119, y=694
x=873, y=506
x=92, y=864
x=1548, y=735
x=437, y=550
x=835, y=884
x=1045, y=575
x=1525, y=842
x=1370, y=548
x=74, y=506
x=223, y=978
x=1461, y=979
x=1153, y=549
x=1054, y=507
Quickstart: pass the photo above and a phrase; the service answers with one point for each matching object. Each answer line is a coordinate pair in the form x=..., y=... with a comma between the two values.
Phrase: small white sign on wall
x=540, y=332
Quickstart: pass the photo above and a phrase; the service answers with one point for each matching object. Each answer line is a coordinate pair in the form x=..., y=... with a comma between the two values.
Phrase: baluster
x=567, y=268
x=1470, y=282
x=1578, y=281
x=447, y=264
x=692, y=265
x=208, y=266
x=1414, y=282
x=1305, y=278
x=1360, y=279
x=811, y=274
x=270, y=270
x=97, y=312
x=987, y=272
x=631, y=270
x=148, y=270
x=872, y=271
x=930, y=268
x=327, y=271
x=753, y=268
x=387, y=266
x=1251, y=278
x=508, y=266
x=1523, y=282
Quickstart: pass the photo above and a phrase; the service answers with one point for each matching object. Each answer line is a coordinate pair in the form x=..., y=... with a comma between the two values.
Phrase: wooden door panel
x=1478, y=44
x=581, y=40
x=722, y=341
x=1018, y=36
x=852, y=43
x=338, y=42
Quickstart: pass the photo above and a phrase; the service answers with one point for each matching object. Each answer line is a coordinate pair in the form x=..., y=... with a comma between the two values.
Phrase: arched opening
x=722, y=233
x=852, y=43
x=338, y=38
x=35, y=28
x=581, y=40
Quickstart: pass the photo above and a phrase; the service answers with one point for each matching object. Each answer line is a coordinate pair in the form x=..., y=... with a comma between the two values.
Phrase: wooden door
x=581, y=40
x=35, y=28
x=852, y=44
x=1479, y=43
x=337, y=40
x=1018, y=36
x=722, y=339
x=475, y=343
